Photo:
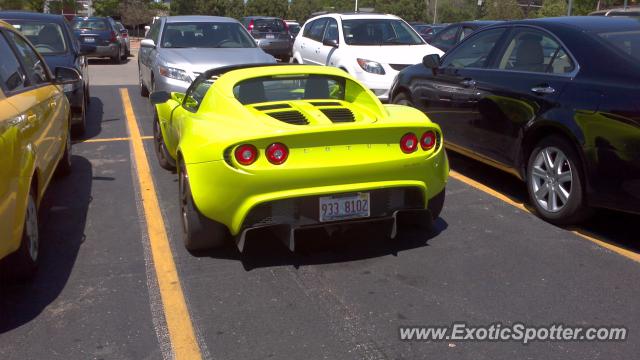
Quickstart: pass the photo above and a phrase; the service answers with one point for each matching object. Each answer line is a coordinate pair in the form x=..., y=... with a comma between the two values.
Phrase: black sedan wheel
x=199, y=232
x=555, y=182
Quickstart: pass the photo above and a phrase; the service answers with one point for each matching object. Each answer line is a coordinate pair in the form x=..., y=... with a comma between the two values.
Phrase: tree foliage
x=502, y=10
x=276, y=8
x=455, y=11
x=106, y=7
x=551, y=8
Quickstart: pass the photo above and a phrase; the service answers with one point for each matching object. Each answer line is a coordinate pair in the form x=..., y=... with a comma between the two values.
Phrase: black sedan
x=553, y=101
x=448, y=37
x=54, y=39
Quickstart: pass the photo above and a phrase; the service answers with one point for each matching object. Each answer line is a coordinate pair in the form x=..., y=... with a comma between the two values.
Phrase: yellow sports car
x=34, y=141
x=286, y=147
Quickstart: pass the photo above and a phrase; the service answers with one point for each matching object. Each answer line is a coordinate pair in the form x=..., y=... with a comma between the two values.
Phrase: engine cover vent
x=341, y=115
x=290, y=117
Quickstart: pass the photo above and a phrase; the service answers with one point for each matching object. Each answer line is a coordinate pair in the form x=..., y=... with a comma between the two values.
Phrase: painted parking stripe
x=579, y=232
x=110, y=139
x=181, y=331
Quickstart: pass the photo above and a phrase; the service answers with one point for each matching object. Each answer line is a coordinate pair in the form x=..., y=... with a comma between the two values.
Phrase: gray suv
x=179, y=48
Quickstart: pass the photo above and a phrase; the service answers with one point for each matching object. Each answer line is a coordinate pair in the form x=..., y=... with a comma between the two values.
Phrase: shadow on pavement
x=614, y=227
x=95, y=114
x=63, y=215
x=356, y=242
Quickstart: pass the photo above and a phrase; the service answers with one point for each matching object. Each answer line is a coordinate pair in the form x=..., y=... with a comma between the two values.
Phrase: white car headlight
x=174, y=73
x=371, y=66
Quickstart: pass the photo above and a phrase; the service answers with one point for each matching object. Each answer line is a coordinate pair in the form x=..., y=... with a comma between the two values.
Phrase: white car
x=371, y=47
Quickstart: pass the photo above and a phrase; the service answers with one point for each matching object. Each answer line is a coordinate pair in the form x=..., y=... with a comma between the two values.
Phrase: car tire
x=144, y=91
x=403, y=99
x=22, y=264
x=436, y=204
x=64, y=165
x=285, y=59
x=164, y=159
x=117, y=59
x=555, y=182
x=198, y=231
x=79, y=129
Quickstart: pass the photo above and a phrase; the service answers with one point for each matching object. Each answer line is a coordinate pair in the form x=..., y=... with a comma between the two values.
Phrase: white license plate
x=89, y=40
x=271, y=36
x=334, y=208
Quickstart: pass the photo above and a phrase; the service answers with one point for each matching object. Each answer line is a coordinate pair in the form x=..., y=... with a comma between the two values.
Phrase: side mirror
x=86, y=49
x=330, y=42
x=65, y=75
x=159, y=97
x=147, y=43
x=178, y=97
x=431, y=61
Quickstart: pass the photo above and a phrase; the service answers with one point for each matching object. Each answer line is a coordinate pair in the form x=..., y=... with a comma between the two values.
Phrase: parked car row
x=552, y=101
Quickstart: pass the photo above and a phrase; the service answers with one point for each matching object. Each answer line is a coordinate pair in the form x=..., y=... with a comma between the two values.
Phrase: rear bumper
x=110, y=50
x=242, y=201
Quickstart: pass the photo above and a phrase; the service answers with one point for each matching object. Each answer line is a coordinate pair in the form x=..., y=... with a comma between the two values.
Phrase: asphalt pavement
x=99, y=293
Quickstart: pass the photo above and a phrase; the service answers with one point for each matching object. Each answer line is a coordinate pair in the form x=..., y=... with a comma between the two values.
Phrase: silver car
x=179, y=48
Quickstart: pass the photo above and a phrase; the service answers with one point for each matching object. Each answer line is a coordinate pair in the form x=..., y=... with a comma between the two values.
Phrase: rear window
x=47, y=38
x=626, y=41
x=92, y=24
x=268, y=25
x=289, y=87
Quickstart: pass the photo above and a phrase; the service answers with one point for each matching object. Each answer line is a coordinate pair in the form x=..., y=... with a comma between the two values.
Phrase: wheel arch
x=536, y=133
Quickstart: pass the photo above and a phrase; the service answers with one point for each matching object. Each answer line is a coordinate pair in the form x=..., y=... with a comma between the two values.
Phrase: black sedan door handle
x=543, y=90
x=468, y=82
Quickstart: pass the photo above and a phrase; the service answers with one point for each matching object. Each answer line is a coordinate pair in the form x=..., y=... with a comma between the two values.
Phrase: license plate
x=89, y=40
x=334, y=208
x=270, y=36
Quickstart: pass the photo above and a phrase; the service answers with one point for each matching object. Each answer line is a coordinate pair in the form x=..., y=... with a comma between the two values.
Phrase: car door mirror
x=431, y=61
x=178, y=97
x=65, y=75
x=147, y=43
x=159, y=97
x=330, y=42
x=86, y=49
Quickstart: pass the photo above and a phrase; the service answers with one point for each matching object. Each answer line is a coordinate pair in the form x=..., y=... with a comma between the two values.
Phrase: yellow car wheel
x=164, y=159
x=199, y=232
x=23, y=263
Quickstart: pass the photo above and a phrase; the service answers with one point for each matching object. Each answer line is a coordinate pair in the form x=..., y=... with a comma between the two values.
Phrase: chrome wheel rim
x=183, y=182
x=31, y=229
x=551, y=179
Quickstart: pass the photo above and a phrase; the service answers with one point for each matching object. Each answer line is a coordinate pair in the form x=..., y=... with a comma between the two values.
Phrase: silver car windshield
x=206, y=35
x=379, y=32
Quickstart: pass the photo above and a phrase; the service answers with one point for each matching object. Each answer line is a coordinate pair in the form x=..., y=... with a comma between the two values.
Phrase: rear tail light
x=286, y=27
x=277, y=153
x=246, y=154
x=114, y=37
x=409, y=143
x=250, y=27
x=428, y=140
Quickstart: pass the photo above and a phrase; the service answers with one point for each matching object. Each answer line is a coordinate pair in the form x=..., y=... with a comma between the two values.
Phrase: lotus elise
x=289, y=147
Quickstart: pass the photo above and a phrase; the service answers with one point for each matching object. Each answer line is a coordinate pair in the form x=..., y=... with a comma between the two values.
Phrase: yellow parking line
x=181, y=332
x=581, y=233
x=110, y=139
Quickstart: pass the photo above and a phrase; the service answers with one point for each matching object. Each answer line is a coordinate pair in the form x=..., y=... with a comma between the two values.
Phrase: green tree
x=455, y=11
x=276, y=8
x=106, y=7
x=502, y=10
x=183, y=7
x=36, y=5
x=11, y=5
x=551, y=8
x=301, y=10
x=409, y=10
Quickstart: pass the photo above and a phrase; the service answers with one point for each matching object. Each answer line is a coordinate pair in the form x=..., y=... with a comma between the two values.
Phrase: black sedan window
x=535, y=51
x=475, y=52
x=626, y=41
x=46, y=37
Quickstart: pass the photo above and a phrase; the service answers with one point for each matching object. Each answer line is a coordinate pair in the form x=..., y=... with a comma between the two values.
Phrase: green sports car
x=287, y=147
